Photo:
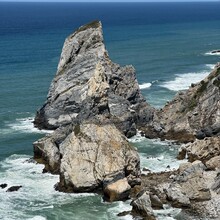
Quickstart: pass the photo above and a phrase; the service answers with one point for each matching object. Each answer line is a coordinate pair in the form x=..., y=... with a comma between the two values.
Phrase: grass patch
x=217, y=83
x=202, y=88
x=93, y=24
x=76, y=130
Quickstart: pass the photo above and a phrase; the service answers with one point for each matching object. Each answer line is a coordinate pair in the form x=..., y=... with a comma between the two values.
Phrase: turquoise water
x=169, y=45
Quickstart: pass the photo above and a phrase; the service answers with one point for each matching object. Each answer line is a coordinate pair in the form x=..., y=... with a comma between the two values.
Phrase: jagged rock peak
x=87, y=38
x=88, y=83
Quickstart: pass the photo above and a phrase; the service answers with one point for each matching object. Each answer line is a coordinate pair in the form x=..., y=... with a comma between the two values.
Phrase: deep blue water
x=168, y=43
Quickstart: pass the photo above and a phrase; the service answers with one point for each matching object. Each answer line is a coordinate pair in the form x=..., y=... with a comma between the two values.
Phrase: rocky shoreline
x=94, y=105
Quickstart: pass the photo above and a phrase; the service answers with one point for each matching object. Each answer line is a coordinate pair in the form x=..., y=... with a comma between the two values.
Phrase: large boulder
x=142, y=206
x=177, y=197
x=90, y=157
x=88, y=83
x=216, y=184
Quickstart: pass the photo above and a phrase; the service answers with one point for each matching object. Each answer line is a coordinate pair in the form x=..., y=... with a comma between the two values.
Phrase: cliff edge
x=192, y=114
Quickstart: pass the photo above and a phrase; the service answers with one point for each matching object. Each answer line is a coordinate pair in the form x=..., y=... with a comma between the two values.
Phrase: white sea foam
x=156, y=160
x=37, y=190
x=160, y=163
x=121, y=207
x=37, y=217
x=210, y=66
x=212, y=54
x=137, y=138
x=24, y=125
x=183, y=81
x=168, y=213
x=145, y=85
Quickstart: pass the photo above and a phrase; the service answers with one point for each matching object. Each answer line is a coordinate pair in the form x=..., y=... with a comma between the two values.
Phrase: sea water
x=169, y=45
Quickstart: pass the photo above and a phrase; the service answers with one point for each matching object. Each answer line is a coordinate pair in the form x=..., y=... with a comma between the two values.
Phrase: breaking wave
x=145, y=85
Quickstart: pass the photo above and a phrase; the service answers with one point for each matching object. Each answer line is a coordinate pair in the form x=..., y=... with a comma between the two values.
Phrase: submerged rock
x=4, y=185
x=13, y=188
x=215, y=51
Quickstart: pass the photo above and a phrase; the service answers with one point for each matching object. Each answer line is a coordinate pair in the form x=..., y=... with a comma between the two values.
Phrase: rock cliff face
x=191, y=114
x=92, y=103
x=88, y=83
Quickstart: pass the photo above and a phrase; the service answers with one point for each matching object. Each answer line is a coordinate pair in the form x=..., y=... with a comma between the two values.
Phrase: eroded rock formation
x=88, y=83
x=192, y=114
x=92, y=103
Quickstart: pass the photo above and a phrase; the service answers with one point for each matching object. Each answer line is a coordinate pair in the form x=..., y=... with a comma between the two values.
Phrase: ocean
x=169, y=45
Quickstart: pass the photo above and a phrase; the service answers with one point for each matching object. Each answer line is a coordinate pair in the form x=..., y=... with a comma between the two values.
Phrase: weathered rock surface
x=176, y=195
x=90, y=157
x=142, y=206
x=155, y=202
x=189, y=185
x=88, y=83
x=202, y=150
x=193, y=113
x=3, y=185
x=118, y=190
x=216, y=185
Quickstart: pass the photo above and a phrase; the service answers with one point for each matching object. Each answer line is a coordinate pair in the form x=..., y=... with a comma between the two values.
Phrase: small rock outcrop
x=206, y=150
x=88, y=83
x=189, y=185
x=215, y=51
x=142, y=206
x=13, y=188
x=194, y=113
x=3, y=185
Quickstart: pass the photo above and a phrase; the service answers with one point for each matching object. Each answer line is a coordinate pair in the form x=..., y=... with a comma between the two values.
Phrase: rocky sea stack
x=88, y=83
x=92, y=105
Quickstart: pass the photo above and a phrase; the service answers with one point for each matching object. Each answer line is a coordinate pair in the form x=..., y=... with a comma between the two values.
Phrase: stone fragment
x=118, y=190
x=142, y=206
x=13, y=188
